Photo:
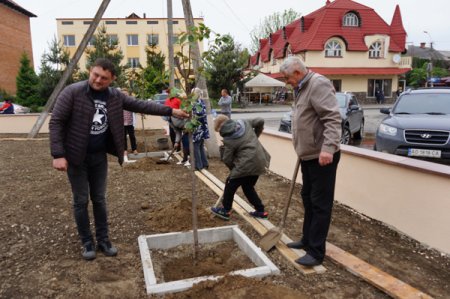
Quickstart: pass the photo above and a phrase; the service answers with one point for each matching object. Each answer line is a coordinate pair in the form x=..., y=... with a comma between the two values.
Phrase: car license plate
x=416, y=152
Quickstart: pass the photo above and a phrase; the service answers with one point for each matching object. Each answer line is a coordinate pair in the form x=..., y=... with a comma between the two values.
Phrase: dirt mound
x=149, y=164
x=239, y=287
x=177, y=216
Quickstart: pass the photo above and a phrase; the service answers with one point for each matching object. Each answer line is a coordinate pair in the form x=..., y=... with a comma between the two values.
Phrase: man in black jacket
x=87, y=123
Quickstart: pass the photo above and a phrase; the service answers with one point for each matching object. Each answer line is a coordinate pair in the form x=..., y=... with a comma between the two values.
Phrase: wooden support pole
x=200, y=80
x=68, y=71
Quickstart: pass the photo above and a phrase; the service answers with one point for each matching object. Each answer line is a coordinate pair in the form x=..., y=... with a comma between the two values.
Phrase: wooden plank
x=288, y=253
x=371, y=274
x=22, y=139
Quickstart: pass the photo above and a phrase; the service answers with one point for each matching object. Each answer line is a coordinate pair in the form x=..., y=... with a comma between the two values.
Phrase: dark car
x=418, y=125
x=160, y=98
x=352, y=116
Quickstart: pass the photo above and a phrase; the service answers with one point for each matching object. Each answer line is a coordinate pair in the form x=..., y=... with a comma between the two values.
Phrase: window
x=350, y=20
x=133, y=62
x=152, y=22
x=333, y=49
x=112, y=39
x=375, y=50
x=174, y=38
x=91, y=42
x=69, y=40
x=132, y=40
x=152, y=39
x=384, y=84
x=174, y=22
x=337, y=84
x=272, y=58
x=67, y=22
x=131, y=22
x=111, y=22
x=87, y=22
x=288, y=51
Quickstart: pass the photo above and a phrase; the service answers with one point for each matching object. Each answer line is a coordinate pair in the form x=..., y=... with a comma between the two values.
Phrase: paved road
x=373, y=117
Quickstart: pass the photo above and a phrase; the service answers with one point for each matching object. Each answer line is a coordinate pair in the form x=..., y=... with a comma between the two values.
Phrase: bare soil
x=213, y=259
x=40, y=250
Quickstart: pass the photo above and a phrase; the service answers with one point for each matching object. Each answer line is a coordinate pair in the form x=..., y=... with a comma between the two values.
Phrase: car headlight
x=388, y=130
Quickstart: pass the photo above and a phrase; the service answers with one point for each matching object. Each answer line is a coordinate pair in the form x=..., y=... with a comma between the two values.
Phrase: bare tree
x=271, y=24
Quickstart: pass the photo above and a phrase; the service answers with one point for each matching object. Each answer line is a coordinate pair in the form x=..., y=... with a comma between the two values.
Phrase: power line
x=236, y=16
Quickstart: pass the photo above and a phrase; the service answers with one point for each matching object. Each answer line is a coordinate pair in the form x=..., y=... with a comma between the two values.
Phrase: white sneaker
x=179, y=163
x=187, y=163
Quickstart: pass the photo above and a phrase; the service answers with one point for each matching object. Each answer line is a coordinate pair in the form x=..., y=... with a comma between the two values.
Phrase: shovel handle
x=171, y=154
x=291, y=190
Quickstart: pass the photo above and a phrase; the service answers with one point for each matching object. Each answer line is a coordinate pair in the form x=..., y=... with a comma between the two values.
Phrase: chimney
x=328, y=2
x=422, y=45
x=145, y=15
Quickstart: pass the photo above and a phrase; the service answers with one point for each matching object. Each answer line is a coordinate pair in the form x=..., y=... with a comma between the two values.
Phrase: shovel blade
x=270, y=239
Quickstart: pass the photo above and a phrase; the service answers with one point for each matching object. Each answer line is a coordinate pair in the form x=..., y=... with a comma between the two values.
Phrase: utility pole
x=429, y=82
x=170, y=43
x=73, y=62
x=211, y=143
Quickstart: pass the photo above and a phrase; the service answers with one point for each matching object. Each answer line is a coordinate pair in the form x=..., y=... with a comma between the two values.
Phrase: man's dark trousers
x=248, y=186
x=318, y=196
x=130, y=131
x=89, y=179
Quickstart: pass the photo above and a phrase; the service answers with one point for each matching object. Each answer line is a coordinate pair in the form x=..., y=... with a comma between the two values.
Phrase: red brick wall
x=14, y=40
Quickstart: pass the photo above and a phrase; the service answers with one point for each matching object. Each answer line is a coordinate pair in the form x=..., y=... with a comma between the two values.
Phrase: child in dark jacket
x=247, y=160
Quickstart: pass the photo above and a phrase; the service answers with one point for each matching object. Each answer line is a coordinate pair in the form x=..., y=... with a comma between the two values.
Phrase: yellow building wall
x=121, y=29
x=351, y=59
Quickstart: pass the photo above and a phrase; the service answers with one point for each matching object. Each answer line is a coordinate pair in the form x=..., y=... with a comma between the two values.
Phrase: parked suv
x=418, y=125
x=352, y=118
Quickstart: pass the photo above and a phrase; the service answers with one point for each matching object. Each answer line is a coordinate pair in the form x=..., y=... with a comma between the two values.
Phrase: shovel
x=271, y=237
x=166, y=161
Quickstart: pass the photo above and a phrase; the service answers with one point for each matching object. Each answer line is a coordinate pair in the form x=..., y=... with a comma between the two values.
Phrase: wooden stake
x=73, y=62
x=143, y=135
x=194, y=196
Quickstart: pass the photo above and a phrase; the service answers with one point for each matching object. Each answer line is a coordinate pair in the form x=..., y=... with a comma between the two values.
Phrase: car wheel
x=346, y=135
x=360, y=133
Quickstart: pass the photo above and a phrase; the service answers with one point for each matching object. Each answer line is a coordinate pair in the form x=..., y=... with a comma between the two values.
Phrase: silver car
x=352, y=115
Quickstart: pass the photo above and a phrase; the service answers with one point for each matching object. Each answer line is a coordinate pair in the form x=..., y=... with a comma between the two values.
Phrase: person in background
x=225, y=103
x=7, y=107
x=246, y=158
x=86, y=124
x=201, y=132
x=316, y=134
x=128, y=125
x=173, y=102
x=379, y=95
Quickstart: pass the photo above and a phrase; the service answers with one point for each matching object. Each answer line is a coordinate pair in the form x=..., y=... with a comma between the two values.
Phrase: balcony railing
x=405, y=62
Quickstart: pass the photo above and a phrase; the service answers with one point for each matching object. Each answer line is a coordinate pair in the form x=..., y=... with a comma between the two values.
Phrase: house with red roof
x=346, y=41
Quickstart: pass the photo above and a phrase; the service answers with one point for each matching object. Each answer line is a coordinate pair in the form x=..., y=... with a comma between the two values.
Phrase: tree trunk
x=170, y=43
x=211, y=143
x=73, y=62
x=194, y=196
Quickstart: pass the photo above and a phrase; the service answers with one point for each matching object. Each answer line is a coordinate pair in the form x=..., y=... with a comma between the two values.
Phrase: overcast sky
x=237, y=17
